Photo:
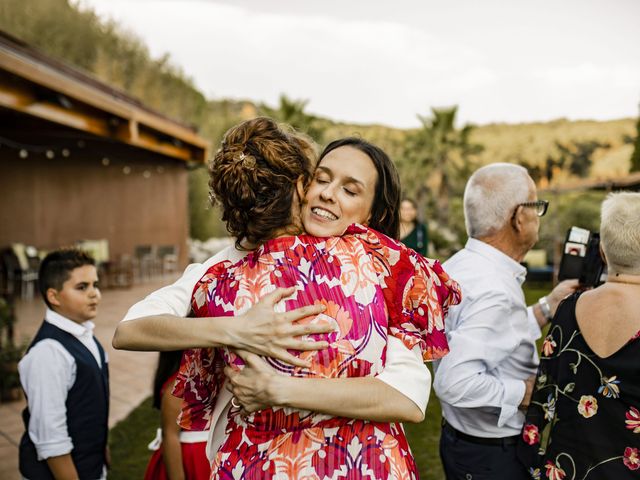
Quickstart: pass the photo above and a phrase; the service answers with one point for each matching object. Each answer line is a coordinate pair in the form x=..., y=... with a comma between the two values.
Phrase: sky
x=384, y=62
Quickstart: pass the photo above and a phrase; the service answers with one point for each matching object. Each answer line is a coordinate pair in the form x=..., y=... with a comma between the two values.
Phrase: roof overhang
x=35, y=85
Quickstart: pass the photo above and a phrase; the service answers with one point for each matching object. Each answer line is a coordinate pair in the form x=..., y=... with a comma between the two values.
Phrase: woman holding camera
x=584, y=417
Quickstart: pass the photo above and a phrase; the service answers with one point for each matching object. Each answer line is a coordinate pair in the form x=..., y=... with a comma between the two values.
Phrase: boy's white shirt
x=404, y=369
x=47, y=373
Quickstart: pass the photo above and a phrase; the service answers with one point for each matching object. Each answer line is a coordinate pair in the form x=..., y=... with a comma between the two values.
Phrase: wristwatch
x=545, y=308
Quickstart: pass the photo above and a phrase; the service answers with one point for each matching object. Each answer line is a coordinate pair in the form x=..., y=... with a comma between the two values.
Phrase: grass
x=128, y=441
x=130, y=437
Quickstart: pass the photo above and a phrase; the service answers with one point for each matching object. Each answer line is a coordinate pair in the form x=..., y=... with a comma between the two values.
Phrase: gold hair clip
x=247, y=161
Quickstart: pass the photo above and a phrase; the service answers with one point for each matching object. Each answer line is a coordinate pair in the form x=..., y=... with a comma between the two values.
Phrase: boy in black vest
x=65, y=377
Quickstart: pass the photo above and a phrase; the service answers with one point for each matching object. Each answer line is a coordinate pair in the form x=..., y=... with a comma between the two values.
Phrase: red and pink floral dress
x=372, y=287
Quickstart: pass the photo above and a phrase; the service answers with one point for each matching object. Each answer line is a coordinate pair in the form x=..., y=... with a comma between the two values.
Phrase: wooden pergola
x=36, y=85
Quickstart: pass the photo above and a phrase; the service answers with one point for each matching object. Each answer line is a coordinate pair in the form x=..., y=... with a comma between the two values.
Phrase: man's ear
x=52, y=297
x=516, y=219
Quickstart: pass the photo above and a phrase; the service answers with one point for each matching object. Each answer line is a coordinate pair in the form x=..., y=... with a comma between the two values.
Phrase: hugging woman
x=372, y=290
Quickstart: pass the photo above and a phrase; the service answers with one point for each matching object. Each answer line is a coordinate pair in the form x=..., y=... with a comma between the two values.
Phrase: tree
x=439, y=159
x=292, y=112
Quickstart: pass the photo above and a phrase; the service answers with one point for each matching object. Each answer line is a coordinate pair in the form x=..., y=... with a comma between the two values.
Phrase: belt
x=501, y=441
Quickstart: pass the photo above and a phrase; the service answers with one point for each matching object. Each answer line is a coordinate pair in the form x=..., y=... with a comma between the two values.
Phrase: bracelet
x=545, y=308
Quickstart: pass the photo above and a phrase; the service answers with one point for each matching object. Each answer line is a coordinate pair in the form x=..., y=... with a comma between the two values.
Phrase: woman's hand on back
x=264, y=331
x=253, y=386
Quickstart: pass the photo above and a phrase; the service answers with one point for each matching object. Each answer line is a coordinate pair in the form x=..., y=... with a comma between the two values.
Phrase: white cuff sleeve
x=513, y=395
x=534, y=327
x=405, y=371
x=53, y=449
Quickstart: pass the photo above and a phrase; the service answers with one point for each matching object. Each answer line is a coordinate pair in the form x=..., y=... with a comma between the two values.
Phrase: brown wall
x=52, y=202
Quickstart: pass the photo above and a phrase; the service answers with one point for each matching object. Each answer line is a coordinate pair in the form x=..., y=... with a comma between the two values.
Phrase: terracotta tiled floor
x=131, y=372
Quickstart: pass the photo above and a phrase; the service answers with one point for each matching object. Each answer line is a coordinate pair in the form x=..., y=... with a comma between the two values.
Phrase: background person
x=584, y=417
x=412, y=232
x=65, y=377
x=178, y=454
x=487, y=378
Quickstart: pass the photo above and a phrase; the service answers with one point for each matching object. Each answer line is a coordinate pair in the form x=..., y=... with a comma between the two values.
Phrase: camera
x=581, y=258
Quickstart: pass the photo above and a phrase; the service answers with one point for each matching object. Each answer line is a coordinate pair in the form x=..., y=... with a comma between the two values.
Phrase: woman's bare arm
x=257, y=387
x=261, y=330
x=171, y=447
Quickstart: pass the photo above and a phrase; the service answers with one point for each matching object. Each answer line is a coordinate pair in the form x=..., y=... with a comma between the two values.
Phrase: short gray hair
x=491, y=195
x=620, y=232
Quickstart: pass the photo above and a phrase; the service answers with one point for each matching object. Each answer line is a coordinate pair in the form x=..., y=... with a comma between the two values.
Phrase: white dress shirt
x=47, y=373
x=492, y=338
x=404, y=369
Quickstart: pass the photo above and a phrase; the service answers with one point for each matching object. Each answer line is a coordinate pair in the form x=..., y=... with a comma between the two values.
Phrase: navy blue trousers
x=464, y=460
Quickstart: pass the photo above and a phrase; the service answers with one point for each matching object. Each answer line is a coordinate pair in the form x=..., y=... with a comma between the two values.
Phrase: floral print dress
x=372, y=287
x=584, y=418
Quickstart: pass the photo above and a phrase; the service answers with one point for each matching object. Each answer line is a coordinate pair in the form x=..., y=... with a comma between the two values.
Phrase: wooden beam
x=92, y=108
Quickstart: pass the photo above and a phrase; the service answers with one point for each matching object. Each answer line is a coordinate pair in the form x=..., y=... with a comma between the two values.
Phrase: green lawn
x=130, y=437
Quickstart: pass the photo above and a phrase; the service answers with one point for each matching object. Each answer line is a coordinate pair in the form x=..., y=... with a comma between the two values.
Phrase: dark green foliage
x=577, y=157
x=437, y=160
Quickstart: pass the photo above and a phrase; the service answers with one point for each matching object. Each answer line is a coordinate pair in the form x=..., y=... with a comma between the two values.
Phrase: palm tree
x=292, y=112
x=440, y=157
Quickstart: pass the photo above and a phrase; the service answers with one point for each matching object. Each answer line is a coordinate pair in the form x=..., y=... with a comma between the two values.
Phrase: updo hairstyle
x=253, y=178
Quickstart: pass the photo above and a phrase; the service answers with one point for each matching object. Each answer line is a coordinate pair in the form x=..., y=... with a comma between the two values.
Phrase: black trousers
x=465, y=460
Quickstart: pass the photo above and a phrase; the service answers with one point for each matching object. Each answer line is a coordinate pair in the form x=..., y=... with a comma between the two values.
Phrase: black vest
x=87, y=411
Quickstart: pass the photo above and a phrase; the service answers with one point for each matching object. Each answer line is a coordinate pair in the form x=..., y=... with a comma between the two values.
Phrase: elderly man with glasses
x=486, y=381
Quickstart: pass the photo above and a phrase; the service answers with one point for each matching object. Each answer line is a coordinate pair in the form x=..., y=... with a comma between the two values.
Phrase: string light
x=50, y=152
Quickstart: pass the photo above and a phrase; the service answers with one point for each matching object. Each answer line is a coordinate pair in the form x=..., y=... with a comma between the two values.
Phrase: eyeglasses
x=541, y=207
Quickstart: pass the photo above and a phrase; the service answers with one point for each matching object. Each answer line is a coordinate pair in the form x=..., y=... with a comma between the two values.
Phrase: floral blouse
x=372, y=287
x=584, y=418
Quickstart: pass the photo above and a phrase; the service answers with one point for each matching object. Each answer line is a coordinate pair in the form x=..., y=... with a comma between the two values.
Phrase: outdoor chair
x=144, y=262
x=27, y=270
x=168, y=257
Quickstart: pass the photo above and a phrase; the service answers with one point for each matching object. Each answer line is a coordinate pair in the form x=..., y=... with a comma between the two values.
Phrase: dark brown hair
x=253, y=178
x=385, y=210
x=57, y=266
x=168, y=364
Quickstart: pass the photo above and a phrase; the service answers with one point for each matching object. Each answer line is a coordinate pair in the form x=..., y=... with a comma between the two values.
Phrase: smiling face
x=79, y=297
x=341, y=192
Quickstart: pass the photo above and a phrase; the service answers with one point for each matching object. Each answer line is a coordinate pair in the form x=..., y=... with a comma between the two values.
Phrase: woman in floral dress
x=370, y=285
x=584, y=417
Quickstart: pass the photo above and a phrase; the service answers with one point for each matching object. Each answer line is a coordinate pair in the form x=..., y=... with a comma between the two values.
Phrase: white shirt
x=404, y=369
x=47, y=373
x=491, y=336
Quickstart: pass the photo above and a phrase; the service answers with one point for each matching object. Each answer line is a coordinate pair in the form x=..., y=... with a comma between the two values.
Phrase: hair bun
x=253, y=177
